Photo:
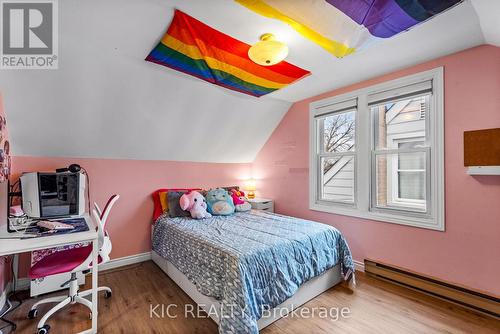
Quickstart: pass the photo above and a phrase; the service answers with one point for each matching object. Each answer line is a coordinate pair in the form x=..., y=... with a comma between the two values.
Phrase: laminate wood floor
x=375, y=307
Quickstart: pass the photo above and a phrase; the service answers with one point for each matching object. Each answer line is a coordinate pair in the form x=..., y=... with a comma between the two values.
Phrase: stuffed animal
x=241, y=203
x=195, y=203
x=220, y=202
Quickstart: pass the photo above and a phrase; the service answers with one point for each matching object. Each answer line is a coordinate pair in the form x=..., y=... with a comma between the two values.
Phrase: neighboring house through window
x=400, y=127
x=377, y=152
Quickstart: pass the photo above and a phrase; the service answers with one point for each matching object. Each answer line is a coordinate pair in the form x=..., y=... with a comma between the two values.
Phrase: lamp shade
x=250, y=185
x=268, y=51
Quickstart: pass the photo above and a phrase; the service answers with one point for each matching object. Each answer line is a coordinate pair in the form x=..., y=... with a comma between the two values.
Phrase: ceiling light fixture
x=268, y=51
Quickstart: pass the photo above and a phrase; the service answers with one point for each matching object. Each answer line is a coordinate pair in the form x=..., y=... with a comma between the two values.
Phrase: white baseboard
x=359, y=265
x=24, y=283
x=125, y=261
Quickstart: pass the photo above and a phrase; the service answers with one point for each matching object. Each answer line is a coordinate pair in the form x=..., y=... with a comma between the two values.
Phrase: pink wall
x=134, y=180
x=468, y=253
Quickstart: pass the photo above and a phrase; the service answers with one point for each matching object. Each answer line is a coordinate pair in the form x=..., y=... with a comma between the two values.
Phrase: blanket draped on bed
x=250, y=261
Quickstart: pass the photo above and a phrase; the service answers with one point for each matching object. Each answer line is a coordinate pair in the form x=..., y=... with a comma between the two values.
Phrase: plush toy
x=220, y=202
x=240, y=201
x=195, y=203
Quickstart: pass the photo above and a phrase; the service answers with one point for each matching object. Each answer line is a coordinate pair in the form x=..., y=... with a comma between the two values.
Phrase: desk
x=15, y=246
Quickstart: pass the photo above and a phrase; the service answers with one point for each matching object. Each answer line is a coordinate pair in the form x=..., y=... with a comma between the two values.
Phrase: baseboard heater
x=466, y=297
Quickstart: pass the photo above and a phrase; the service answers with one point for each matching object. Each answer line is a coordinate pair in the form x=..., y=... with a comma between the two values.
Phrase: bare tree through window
x=339, y=135
x=339, y=157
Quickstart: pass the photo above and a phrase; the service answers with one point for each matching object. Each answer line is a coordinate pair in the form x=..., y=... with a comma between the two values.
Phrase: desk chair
x=72, y=261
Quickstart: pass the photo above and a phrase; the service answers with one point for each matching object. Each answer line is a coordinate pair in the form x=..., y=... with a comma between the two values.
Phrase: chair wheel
x=107, y=294
x=32, y=314
x=44, y=330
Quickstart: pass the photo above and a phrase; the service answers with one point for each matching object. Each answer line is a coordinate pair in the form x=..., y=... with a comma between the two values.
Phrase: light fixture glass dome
x=268, y=51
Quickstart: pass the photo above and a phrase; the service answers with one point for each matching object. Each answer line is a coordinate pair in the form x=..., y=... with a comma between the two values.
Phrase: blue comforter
x=250, y=261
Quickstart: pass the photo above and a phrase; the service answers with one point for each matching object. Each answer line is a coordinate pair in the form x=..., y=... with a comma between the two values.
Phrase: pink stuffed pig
x=195, y=203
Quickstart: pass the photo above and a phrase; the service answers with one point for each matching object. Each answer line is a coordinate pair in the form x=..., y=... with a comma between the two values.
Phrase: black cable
x=15, y=183
x=13, y=190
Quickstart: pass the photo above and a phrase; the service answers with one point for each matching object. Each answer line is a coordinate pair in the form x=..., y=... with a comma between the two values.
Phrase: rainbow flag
x=193, y=47
x=342, y=27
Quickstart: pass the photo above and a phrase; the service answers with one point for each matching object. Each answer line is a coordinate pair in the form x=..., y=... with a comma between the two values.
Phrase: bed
x=249, y=269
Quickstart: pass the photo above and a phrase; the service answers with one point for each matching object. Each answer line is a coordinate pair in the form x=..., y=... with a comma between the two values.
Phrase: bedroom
x=363, y=135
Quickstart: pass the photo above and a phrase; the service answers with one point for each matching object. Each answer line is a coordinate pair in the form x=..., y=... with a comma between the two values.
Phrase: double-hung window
x=377, y=153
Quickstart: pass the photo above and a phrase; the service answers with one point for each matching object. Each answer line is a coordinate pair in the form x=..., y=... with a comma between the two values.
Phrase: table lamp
x=250, y=188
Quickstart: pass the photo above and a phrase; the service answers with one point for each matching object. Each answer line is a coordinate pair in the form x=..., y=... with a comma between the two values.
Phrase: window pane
x=411, y=144
x=403, y=119
x=401, y=180
x=411, y=185
x=337, y=183
x=339, y=132
x=411, y=161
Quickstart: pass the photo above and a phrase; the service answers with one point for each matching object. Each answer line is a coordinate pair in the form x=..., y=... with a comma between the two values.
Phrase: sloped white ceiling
x=105, y=101
x=489, y=18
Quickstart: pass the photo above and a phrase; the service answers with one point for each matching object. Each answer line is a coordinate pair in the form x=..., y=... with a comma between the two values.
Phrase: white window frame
x=363, y=207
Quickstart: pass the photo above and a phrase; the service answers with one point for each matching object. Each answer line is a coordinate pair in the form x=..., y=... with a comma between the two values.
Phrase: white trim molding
x=359, y=265
x=125, y=261
x=365, y=206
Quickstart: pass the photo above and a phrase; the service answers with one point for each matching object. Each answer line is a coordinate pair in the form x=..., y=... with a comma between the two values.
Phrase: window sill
x=427, y=223
x=412, y=206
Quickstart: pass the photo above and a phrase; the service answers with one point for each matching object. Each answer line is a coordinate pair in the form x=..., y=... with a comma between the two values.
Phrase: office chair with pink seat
x=73, y=260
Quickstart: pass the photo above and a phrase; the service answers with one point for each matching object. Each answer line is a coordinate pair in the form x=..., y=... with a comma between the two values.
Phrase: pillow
x=174, y=207
x=158, y=209
x=230, y=188
x=163, y=201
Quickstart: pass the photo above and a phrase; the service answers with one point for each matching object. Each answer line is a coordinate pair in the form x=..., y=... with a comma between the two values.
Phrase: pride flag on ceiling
x=192, y=47
x=343, y=26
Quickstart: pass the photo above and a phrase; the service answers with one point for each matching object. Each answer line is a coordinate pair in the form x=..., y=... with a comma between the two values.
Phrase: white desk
x=15, y=246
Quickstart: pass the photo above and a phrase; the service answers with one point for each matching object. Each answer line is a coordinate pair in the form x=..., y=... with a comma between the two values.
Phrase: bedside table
x=263, y=204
